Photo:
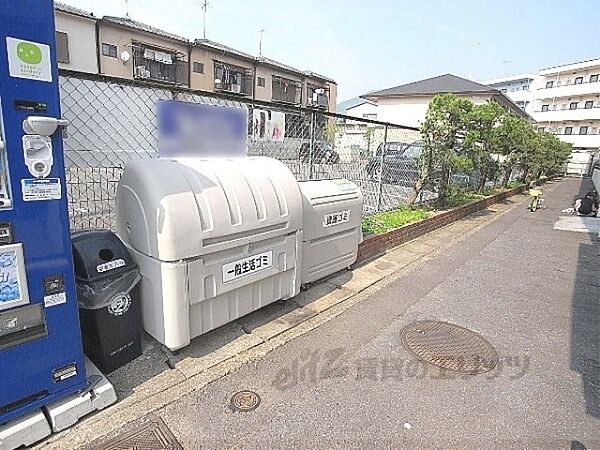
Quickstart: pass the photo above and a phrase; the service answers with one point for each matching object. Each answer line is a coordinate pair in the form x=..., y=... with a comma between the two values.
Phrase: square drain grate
x=152, y=435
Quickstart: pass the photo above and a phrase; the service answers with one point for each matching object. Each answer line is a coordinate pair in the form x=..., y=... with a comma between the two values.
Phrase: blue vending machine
x=41, y=356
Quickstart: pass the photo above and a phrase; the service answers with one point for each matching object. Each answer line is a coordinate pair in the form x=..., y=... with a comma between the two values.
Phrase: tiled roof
x=126, y=22
x=447, y=83
x=72, y=10
x=223, y=48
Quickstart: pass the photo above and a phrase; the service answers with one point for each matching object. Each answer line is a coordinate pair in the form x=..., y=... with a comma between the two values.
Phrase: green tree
x=549, y=156
x=443, y=133
x=514, y=142
x=329, y=132
x=480, y=139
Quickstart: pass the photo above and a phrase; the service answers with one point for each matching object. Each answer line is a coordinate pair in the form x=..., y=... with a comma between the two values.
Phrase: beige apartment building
x=125, y=48
x=76, y=39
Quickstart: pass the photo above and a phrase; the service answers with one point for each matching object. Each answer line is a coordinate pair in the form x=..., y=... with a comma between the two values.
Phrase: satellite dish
x=125, y=56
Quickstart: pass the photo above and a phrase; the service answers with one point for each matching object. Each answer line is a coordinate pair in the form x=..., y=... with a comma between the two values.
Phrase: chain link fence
x=114, y=121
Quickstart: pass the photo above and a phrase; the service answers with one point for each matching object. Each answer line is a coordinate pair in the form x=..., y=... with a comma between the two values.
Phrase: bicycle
x=536, y=199
x=535, y=192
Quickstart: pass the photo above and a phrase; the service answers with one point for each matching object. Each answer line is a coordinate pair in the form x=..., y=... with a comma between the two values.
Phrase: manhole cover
x=153, y=435
x=244, y=401
x=449, y=346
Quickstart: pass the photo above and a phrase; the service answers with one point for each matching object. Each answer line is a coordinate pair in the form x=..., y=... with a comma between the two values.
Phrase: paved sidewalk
x=532, y=291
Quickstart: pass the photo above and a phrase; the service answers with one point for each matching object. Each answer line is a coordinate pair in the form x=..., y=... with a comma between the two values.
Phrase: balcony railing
x=286, y=91
x=579, y=108
x=233, y=79
x=571, y=83
x=150, y=63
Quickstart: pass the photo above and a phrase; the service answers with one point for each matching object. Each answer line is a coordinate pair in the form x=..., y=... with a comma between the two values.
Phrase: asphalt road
x=531, y=291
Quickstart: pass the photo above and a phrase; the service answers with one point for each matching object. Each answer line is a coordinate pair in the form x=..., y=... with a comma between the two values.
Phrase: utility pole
x=261, y=31
x=126, y=9
x=204, y=8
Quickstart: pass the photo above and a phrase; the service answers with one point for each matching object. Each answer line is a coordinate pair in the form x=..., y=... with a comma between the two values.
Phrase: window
x=109, y=50
x=554, y=107
x=573, y=105
x=549, y=84
x=198, y=67
x=62, y=47
x=503, y=90
x=558, y=83
x=589, y=104
x=525, y=88
x=260, y=81
x=583, y=130
x=568, y=130
x=545, y=108
x=579, y=80
x=594, y=78
x=563, y=106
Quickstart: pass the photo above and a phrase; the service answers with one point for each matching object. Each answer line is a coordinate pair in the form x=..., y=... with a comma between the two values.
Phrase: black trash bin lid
x=98, y=255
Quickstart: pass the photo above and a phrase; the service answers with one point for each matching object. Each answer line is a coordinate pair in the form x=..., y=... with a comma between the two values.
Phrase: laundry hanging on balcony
x=229, y=76
x=155, y=55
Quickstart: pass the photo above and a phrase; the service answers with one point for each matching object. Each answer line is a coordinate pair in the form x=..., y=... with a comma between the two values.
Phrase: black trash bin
x=109, y=310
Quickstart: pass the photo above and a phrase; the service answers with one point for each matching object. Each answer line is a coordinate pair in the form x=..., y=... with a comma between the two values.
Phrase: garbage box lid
x=99, y=255
x=186, y=208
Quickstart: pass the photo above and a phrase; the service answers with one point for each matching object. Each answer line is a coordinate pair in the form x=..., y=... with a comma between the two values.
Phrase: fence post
x=380, y=187
x=311, y=146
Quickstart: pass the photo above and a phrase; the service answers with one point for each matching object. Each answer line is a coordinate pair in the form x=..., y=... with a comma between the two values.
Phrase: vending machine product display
x=41, y=357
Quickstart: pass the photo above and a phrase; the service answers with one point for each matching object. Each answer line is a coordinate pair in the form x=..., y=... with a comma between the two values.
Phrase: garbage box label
x=105, y=267
x=336, y=218
x=238, y=269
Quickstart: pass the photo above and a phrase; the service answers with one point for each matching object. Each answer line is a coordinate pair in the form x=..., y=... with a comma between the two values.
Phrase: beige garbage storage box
x=214, y=239
x=332, y=226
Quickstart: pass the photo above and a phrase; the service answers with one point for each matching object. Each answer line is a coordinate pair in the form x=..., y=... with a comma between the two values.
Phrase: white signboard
x=191, y=130
x=252, y=264
x=28, y=59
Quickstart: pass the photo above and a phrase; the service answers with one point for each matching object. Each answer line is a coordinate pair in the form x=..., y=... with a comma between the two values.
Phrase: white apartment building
x=520, y=88
x=567, y=103
x=563, y=100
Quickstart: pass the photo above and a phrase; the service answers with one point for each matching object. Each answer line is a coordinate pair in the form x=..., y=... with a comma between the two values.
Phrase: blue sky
x=366, y=45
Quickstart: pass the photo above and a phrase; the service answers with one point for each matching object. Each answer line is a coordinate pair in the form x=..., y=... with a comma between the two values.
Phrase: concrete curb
x=315, y=306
